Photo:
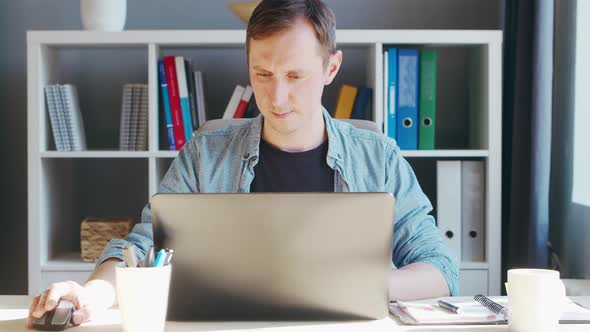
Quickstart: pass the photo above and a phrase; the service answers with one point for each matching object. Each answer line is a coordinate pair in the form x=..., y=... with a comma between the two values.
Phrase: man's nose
x=279, y=94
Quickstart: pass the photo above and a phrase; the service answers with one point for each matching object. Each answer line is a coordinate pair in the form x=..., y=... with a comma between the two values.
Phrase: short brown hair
x=271, y=16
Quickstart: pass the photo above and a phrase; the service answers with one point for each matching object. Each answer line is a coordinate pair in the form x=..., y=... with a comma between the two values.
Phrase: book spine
x=201, y=111
x=448, y=206
x=252, y=110
x=192, y=93
x=407, y=99
x=185, y=106
x=232, y=105
x=78, y=131
x=175, y=109
x=166, y=105
x=62, y=115
x=473, y=210
x=133, y=127
x=52, y=111
x=391, y=118
x=125, y=118
x=243, y=104
x=359, y=110
x=427, y=100
x=345, y=101
x=142, y=142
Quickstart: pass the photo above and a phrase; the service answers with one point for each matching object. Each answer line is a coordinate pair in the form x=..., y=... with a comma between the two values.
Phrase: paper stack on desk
x=472, y=313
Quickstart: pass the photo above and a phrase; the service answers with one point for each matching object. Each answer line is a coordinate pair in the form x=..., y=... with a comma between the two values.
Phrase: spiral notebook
x=472, y=313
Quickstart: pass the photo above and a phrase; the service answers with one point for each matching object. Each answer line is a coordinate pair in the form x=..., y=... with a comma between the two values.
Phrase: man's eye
x=294, y=77
x=263, y=74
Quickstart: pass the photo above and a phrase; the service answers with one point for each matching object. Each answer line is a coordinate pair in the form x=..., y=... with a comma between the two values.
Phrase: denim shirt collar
x=251, y=146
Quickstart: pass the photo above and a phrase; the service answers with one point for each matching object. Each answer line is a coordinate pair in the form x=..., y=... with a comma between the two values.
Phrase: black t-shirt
x=280, y=171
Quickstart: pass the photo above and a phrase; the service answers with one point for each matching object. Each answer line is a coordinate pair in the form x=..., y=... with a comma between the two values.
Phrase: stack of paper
x=472, y=312
x=134, y=118
x=423, y=313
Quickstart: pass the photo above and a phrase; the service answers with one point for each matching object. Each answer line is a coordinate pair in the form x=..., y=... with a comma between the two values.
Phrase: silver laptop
x=279, y=256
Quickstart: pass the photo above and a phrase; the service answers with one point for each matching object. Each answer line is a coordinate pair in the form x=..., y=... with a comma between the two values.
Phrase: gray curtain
x=527, y=125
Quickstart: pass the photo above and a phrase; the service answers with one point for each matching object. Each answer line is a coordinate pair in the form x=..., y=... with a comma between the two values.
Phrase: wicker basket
x=95, y=234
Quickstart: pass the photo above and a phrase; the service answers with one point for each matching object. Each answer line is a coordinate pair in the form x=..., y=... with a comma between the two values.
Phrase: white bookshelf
x=52, y=190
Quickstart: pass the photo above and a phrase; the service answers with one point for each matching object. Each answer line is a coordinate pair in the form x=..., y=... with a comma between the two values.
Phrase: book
x=407, y=99
x=74, y=116
x=385, y=111
x=61, y=114
x=53, y=118
x=427, y=107
x=232, y=105
x=142, y=123
x=65, y=116
x=175, y=110
x=192, y=93
x=448, y=205
x=243, y=103
x=166, y=105
x=252, y=111
x=472, y=313
x=185, y=105
x=134, y=117
x=472, y=211
x=134, y=122
x=125, y=117
x=345, y=101
x=391, y=93
x=361, y=102
x=201, y=102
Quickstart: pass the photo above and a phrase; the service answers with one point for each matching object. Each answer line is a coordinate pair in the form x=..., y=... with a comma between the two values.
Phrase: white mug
x=103, y=15
x=535, y=300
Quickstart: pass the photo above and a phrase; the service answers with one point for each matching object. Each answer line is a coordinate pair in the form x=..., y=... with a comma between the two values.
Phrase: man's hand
x=96, y=295
x=68, y=290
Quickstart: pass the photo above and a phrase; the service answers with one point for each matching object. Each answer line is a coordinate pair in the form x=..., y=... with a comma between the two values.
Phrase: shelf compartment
x=462, y=102
x=99, y=74
x=77, y=188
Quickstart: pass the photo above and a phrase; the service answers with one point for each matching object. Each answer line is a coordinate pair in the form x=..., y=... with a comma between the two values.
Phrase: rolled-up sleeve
x=181, y=177
x=416, y=237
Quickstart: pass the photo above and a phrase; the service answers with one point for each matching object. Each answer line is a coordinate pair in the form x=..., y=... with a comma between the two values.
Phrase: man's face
x=288, y=75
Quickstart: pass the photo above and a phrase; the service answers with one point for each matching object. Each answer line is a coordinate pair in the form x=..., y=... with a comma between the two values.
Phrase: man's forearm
x=417, y=281
x=101, y=284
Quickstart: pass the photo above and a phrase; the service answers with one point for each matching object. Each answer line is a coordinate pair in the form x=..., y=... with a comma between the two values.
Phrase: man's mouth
x=281, y=115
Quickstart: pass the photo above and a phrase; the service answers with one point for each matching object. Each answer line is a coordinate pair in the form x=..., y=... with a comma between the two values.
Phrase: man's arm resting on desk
x=417, y=281
x=101, y=284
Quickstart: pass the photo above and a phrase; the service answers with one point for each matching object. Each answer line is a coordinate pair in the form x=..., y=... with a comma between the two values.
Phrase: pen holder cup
x=142, y=293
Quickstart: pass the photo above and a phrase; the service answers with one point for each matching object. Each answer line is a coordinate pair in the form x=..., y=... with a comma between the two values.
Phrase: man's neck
x=301, y=140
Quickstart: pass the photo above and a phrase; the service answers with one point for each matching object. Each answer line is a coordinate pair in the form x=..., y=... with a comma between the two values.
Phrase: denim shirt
x=223, y=160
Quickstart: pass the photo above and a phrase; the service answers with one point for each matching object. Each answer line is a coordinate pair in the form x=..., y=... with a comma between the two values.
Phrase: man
x=293, y=146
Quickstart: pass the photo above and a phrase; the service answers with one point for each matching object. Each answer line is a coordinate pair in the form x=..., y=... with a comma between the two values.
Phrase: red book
x=243, y=104
x=175, y=110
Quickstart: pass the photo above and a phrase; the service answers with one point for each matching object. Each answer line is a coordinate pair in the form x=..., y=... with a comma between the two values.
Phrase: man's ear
x=334, y=63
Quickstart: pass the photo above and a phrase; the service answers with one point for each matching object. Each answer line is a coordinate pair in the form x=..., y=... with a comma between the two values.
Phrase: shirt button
x=246, y=156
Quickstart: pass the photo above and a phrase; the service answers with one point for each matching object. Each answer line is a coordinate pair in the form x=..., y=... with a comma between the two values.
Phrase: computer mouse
x=56, y=319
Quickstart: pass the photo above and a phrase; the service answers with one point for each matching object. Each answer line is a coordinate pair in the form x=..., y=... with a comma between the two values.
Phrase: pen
x=130, y=256
x=160, y=258
x=448, y=306
x=149, y=257
x=168, y=258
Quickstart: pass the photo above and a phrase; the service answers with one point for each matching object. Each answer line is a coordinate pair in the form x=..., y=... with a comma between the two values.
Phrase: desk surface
x=14, y=310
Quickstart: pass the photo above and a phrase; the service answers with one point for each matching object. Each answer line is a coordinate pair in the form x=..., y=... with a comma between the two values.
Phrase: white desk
x=14, y=310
